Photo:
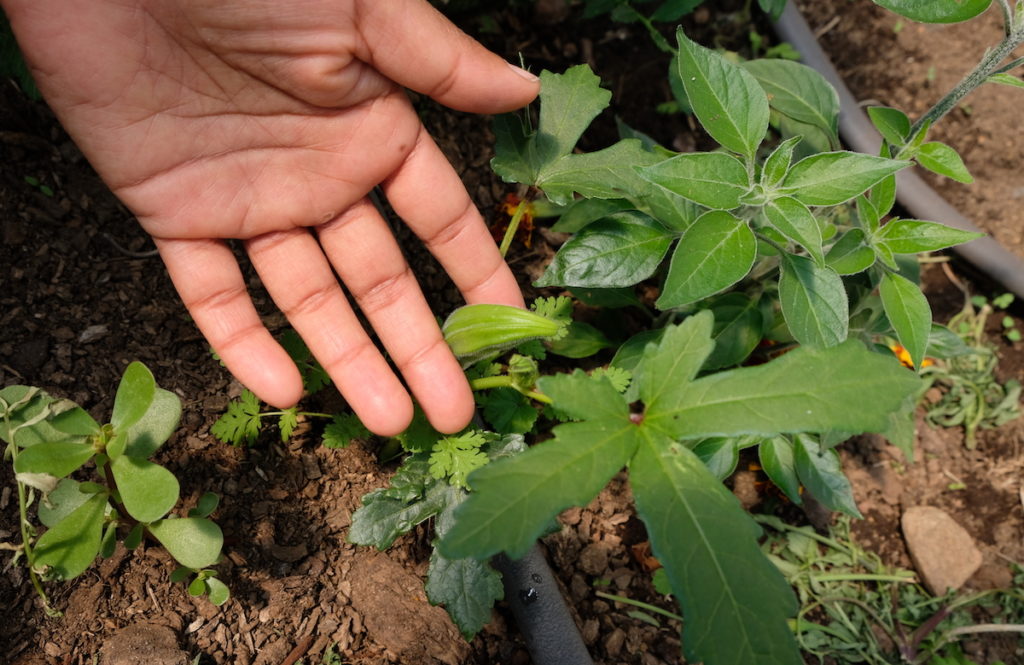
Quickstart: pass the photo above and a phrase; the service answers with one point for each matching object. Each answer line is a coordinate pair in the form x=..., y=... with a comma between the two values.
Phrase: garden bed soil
x=81, y=297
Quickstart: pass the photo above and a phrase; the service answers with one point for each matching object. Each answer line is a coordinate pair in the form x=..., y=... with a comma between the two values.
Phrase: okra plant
x=782, y=282
x=126, y=497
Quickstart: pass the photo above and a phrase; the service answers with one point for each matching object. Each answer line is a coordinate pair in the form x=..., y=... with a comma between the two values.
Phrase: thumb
x=411, y=43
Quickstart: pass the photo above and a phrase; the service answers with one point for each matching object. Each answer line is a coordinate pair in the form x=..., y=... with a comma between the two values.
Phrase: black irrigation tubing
x=536, y=602
x=912, y=192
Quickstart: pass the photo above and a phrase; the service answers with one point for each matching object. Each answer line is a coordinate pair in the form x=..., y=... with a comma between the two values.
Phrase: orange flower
x=506, y=210
x=904, y=357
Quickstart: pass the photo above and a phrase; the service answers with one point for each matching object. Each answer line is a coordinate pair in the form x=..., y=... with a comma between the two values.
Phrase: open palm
x=271, y=122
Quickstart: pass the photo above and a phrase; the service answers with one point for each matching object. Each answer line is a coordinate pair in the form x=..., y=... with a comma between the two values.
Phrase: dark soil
x=81, y=297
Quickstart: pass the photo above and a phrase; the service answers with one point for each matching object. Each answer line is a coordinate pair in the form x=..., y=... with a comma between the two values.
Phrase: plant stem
x=862, y=577
x=505, y=381
x=1007, y=16
x=513, y=226
x=1013, y=64
x=637, y=603
x=26, y=535
x=989, y=65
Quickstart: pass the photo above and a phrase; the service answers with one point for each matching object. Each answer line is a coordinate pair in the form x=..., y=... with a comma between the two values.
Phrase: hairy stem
x=989, y=65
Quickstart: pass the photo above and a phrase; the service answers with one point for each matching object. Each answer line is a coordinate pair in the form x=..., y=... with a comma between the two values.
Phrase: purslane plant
x=129, y=496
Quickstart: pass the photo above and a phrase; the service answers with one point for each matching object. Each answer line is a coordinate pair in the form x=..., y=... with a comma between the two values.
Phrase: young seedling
x=128, y=497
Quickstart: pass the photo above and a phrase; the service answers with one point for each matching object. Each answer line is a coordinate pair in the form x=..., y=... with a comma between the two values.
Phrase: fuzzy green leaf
x=466, y=587
x=579, y=396
x=912, y=236
x=727, y=99
x=620, y=250
x=908, y=312
x=134, y=395
x=831, y=178
x=148, y=490
x=712, y=179
x=851, y=254
x=814, y=302
x=892, y=124
x=194, y=542
x=383, y=518
x=940, y=158
x=821, y=473
x=936, y=11
x=604, y=174
x=739, y=327
x=712, y=255
x=776, y=457
x=708, y=545
x=73, y=543
x=777, y=164
x=793, y=220
x=798, y=91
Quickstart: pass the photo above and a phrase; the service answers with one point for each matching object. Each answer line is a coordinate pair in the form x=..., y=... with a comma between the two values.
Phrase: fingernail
x=523, y=73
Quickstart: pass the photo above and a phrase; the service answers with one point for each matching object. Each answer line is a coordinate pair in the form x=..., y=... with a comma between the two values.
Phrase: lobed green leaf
x=515, y=498
x=777, y=398
x=735, y=602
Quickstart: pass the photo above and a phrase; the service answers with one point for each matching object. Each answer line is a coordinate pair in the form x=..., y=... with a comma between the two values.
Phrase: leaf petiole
x=513, y=226
x=505, y=381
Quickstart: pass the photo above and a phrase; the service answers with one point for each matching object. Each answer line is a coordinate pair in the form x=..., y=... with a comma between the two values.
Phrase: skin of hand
x=270, y=122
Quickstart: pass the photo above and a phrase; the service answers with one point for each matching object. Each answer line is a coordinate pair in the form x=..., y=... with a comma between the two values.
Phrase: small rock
x=594, y=558
x=93, y=333
x=944, y=554
x=143, y=643
x=52, y=650
x=613, y=643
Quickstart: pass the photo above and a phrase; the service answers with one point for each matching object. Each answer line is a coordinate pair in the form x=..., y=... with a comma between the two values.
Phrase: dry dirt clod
x=143, y=643
x=944, y=554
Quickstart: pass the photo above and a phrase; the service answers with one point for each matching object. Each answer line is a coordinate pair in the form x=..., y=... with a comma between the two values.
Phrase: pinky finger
x=206, y=276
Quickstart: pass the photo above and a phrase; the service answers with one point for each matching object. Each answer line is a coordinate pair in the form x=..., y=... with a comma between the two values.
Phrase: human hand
x=270, y=122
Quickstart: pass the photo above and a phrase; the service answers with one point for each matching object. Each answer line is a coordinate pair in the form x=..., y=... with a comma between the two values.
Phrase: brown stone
x=143, y=642
x=944, y=554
